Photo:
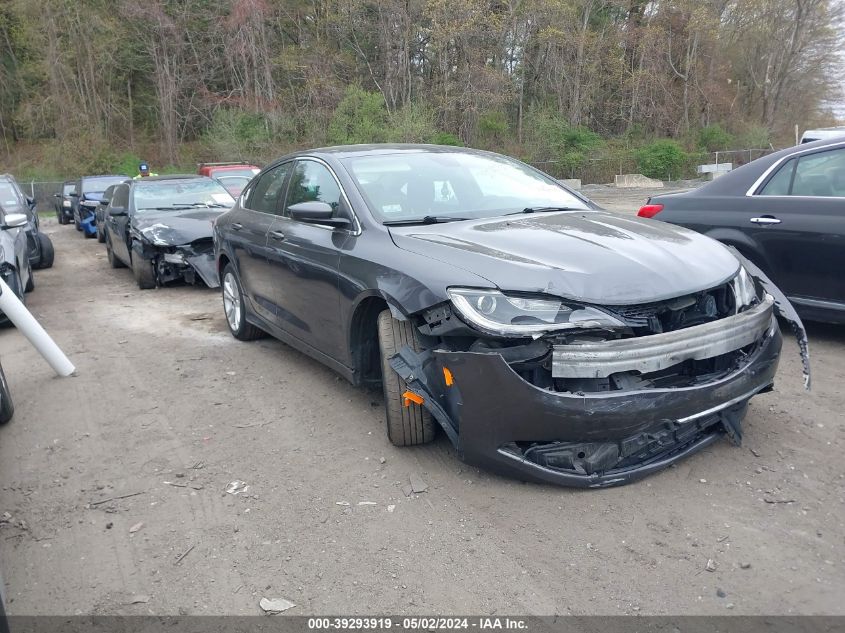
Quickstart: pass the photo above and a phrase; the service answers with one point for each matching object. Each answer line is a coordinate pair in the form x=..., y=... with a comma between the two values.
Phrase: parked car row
x=548, y=339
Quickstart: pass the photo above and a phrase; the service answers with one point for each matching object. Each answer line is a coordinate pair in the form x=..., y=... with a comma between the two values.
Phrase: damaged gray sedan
x=161, y=227
x=548, y=339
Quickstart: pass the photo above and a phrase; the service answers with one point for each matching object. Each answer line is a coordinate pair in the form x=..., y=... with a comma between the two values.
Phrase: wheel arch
x=363, y=335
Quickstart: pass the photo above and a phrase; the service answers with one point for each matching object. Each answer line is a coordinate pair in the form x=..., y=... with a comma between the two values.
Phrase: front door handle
x=236, y=227
x=277, y=235
x=765, y=219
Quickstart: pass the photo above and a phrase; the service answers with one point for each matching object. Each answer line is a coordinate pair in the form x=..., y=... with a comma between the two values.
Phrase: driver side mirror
x=316, y=212
x=14, y=220
x=117, y=211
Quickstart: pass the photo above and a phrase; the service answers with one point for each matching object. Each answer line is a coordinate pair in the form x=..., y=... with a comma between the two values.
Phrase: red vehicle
x=233, y=176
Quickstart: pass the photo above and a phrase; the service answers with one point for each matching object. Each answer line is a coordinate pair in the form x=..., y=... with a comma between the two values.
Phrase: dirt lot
x=169, y=408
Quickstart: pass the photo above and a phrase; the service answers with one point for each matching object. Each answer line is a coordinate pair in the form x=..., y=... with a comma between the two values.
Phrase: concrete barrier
x=637, y=181
x=572, y=183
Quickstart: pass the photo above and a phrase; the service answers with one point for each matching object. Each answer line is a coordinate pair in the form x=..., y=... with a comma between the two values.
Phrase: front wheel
x=406, y=425
x=48, y=253
x=144, y=272
x=233, y=307
x=114, y=261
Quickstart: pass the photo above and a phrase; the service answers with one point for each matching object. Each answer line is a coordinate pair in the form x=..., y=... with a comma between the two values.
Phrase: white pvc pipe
x=17, y=313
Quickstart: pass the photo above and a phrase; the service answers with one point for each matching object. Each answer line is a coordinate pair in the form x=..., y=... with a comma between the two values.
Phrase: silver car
x=15, y=266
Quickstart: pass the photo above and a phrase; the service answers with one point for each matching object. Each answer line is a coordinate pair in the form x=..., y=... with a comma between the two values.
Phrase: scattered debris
x=367, y=503
x=342, y=503
x=722, y=539
x=198, y=465
x=753, y=452
x=136, y=527
x=391, y=508
x=417, y=484
x=730, y=605
x=249, y=426
x=721, y=592
x=381, y=460
x=770, y=500
x=200, y=317
x=176, y=485
x=702, y=481
x=126, y=496
x=407, y=490
x=236, y=487
x=140, y=599
x=183, y=554
x=711, y=565
x=109, y=525
x=275, y=605
x=745, y=565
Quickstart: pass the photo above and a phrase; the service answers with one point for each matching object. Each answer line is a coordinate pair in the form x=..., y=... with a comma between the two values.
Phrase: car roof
x=738, y=181
x=105, y=176
x=384, y=149
x=171, y=177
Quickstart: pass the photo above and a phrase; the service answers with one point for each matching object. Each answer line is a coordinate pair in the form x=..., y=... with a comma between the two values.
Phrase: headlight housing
x=495, y=312
x=745, y=290
x=65, y=203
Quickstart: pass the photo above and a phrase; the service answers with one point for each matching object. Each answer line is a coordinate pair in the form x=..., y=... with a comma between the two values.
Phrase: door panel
x=305, y=258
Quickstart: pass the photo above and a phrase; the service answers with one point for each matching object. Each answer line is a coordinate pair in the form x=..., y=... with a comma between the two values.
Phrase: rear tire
x=234, y=308
x=411, y=425
x=114, y=261
x=48, y=253
x=101, y=234
x=144, y=272
x=7, y=407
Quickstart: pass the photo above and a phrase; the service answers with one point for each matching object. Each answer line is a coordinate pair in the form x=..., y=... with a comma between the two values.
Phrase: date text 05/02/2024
x=426, y=623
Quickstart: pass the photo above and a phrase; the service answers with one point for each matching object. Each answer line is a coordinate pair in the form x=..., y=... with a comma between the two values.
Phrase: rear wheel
x=233, y=307
x=48, y=253
x=406, y=426
x=7, y=407
x=101, y=235
x=114, y=262
x=144, y=272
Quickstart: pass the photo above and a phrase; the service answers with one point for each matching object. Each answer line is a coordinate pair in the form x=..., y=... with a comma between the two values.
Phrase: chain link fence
x=43, y=192
x=603, y=169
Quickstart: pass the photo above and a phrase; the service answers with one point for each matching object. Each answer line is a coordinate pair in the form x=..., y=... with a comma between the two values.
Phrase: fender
x=741, y=242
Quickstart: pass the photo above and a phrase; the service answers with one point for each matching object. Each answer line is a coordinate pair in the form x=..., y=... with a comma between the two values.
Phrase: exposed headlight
x=174, y=258
x=745, y=290
x=494, y=312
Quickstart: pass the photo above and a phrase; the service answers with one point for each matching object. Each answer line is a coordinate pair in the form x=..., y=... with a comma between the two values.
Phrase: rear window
x=68, y=188
x=100, y=184
x=246, y=172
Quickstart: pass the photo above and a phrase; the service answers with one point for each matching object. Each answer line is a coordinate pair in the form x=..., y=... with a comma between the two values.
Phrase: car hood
x=590, y=256
x=174, y=228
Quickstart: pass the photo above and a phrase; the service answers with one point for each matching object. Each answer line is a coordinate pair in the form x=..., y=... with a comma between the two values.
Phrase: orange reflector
x=447, y=375
x=410, y=397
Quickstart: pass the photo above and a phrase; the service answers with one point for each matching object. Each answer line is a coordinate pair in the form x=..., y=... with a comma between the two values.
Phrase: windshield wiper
x=429, y=219
x=544, y=210
x=210, y=205
x=173, y=207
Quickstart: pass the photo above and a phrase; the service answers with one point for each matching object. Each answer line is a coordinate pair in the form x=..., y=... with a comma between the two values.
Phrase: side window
x=311, y=182
x=780, y=183
x=120, y=196
x=821, y=174
x=265, y=193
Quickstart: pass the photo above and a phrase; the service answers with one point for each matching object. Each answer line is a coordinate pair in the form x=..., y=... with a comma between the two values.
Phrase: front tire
x=406, y=426
x=101, y=234
x=144, y=272
x=234, y=307
x=48, y=253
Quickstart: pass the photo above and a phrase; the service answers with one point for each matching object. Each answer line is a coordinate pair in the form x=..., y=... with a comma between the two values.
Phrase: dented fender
x=784, y=310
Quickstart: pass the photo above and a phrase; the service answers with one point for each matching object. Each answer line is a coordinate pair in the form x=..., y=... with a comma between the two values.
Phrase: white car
x=822, y=134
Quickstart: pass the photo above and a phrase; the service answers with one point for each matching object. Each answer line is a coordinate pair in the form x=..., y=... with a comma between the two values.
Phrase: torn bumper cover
x=500, y=421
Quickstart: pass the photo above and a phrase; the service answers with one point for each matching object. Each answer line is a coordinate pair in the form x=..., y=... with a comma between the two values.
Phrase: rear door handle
x=277, y=235
x=765, y=219
x=236, y=227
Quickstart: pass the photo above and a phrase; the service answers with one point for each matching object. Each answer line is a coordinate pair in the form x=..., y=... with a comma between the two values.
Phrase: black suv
x=64, y=202
x=13, y=200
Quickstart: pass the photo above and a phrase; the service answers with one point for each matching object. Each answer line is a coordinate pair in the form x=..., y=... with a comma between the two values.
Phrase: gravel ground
x=167, y=410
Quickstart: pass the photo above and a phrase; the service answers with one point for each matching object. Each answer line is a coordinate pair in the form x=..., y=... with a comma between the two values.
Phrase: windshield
x=246, y=172
x=163, y=195
x=234, y=184
x=68, y=188
x=101, y=183
x=404, y=187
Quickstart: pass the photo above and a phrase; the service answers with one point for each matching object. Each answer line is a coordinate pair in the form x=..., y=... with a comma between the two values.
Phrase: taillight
x=649, y=210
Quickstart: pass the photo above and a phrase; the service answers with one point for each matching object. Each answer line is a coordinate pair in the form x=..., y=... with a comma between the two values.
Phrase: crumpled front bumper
x=489, y=410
